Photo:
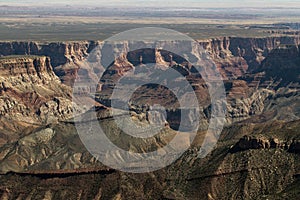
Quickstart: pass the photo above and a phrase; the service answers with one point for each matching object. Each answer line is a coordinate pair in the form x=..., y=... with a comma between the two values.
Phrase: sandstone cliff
x=233, y=55
x=30, y=95
x=255, y=158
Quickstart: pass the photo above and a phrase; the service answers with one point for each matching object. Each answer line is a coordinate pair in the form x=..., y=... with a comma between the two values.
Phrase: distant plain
x=75, y=24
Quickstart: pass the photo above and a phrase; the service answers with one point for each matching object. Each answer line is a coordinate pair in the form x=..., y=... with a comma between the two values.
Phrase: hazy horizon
x=156, y=3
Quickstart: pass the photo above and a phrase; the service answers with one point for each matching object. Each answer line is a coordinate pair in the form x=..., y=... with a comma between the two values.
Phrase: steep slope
x=30, y=95
x=233, y=55
x=257, y=156
x=280, y=74
x=262, y=167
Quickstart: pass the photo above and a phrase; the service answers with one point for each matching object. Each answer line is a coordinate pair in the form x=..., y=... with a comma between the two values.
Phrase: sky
x=163, y=3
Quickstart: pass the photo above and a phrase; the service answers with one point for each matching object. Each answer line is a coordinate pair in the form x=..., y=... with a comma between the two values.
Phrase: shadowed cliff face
x=249, y=93
x=234, y=56
x=253, y=83
x=257, y=156
x=282, y=65
x=60, y=52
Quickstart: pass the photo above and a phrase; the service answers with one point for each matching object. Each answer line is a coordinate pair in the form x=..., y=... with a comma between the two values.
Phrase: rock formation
x=31, y=95
x=257, y=156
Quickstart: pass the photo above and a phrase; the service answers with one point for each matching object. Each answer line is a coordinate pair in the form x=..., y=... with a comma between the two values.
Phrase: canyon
x=257, y=155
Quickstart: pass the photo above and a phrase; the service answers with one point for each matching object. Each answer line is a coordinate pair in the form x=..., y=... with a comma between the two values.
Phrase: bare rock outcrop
x=30, y=94
x=256, y=142
x=33, y=101
x=234, y=56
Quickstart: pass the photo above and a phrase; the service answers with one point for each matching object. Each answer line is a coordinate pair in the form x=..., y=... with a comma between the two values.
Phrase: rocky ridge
x=31, y=95
x=254, y=159
x=233, y=55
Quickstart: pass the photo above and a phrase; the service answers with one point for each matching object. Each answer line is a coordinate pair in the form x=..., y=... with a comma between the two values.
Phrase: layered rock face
x=283, y=64
x=239, y=55
x=234, y=56
x=31, y=95
x=248, y=88
x=256, y=158
x=247, y=143
x=61, y=53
